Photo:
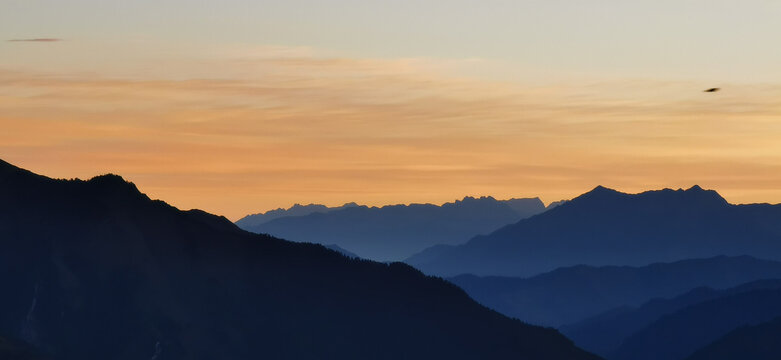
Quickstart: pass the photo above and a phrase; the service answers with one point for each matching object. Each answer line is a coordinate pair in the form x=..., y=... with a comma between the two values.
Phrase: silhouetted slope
x=606, y=227
x=555, y=204
x=14, y=350
x=341, y=251
x=759, y=342
x=571, y=294
x=395, y=232
x=604, y=333
x=253, y=220
x=678, y=335
x=95, y=270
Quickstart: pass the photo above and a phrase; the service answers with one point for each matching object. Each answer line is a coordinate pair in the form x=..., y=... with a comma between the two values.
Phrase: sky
x=239, y=106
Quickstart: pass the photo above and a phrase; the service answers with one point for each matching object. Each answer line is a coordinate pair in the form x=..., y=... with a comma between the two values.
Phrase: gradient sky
x=241, y=106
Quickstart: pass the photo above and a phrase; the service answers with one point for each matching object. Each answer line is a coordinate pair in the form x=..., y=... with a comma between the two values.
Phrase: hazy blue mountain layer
x=678, y=335
x=758, y=342
x=395, y=232
x=606, y=227
x=571, y=294
x=604, y=333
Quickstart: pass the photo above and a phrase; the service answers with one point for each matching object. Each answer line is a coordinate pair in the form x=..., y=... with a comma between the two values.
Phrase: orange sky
x=240, y=106
x=292, y=127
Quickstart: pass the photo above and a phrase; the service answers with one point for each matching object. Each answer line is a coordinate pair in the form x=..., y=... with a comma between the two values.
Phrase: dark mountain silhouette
x=606, y=227
x=341, y=251
x=555, y=204
x=680, y=334
x=604, y=333
x=759, y=342
x=96, y=270
x=572, y=294
x=395, y=232
x=253, y=220
x=16, y=350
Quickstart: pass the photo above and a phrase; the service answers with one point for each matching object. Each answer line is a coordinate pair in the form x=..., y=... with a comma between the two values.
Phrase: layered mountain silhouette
x=96, y=270
x=759, y=342
x=341, y=251
x=678, y=335
x=395, y=232
x=572, y=294
x=606, y=227
x=604, y=333
x=253, y=220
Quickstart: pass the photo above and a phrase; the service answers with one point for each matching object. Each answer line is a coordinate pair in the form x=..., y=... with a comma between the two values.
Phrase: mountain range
x=679, y=335
x=606, y=227
x=392, y=232
x=604, y=333
x=96, y=270
x=757, y=342
x=571, y=294
x=253, y=220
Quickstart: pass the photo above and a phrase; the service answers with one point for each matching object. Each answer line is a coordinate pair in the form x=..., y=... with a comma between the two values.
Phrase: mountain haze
x=571, y=294
x=253, y=220
x=678, y=335
x=604, y=333
x=96, y=270
x=606, y=227
x=395, y=232
x=758, y=342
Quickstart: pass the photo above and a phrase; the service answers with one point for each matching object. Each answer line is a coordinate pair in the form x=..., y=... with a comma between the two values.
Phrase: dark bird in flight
x=712, y=90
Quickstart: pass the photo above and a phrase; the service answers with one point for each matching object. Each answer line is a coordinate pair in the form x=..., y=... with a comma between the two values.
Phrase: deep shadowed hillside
x=759, y=342
x=15, y=350
x=606, y=227
x=680, y=334
x=96, y=270
x=575, y=293
x=604, y=333
x=395, y=232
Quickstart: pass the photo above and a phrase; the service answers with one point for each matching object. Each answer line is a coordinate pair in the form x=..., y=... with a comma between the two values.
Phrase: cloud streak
x=44, y=40
x=307, y=129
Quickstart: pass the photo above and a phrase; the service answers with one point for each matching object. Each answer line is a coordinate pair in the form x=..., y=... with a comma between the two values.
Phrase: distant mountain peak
x=602, y=190
x=692, y=195
x=702, y=195
x=599, y=192
x=476, y=199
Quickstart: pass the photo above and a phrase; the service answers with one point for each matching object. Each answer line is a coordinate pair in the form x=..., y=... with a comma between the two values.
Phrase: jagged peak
x=475, y=198
x=704, y=194
x=695, y=188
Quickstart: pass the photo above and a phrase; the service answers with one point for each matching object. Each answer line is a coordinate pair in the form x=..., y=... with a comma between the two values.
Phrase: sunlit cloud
x=281, y=126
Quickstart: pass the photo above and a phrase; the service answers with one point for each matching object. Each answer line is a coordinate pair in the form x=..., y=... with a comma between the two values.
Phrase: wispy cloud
x=298, y=128
x=36, y=40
